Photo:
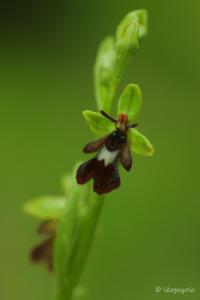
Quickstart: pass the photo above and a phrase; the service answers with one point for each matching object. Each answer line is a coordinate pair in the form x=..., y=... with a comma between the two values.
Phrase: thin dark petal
x=94, y=146
x=43, y=253
x=125, y=157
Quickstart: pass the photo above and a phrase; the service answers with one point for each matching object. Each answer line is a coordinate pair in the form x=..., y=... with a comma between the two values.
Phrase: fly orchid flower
x=116, y=146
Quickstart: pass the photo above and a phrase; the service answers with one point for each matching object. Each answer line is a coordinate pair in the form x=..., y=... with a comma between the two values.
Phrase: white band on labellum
x=107, y=156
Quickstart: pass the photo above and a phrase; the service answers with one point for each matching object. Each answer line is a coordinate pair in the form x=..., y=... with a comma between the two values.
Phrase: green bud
x=127, y=33
x=143, y=22
x=130, y=30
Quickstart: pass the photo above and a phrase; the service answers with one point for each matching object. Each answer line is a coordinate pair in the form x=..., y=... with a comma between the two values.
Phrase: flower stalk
x=74, y=238
x=77, y=212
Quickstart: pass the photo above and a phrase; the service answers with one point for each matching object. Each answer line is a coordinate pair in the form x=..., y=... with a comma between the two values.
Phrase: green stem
x=74, y=238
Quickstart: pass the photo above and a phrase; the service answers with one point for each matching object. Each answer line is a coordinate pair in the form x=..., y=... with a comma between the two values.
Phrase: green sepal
x=103, y=74
x=45, y=207
x=97, y=123
x=130, y=102
x=140, y=144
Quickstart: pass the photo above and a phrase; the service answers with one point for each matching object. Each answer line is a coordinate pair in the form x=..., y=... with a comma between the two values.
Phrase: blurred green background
x=149, y=230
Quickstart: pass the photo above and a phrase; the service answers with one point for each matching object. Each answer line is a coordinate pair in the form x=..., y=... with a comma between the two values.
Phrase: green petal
x=45, y=207
x=97, y=123
x=130, y=102
x=103, y=74
x=140, y=144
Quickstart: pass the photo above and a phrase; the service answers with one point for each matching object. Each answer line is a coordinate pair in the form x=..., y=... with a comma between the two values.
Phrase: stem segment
x=74, y=238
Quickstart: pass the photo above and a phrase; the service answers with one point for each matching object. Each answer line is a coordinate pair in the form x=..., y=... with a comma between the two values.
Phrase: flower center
x=122, y=122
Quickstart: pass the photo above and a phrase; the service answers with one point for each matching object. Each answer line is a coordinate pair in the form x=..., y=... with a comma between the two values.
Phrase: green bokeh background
x=149, y=230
